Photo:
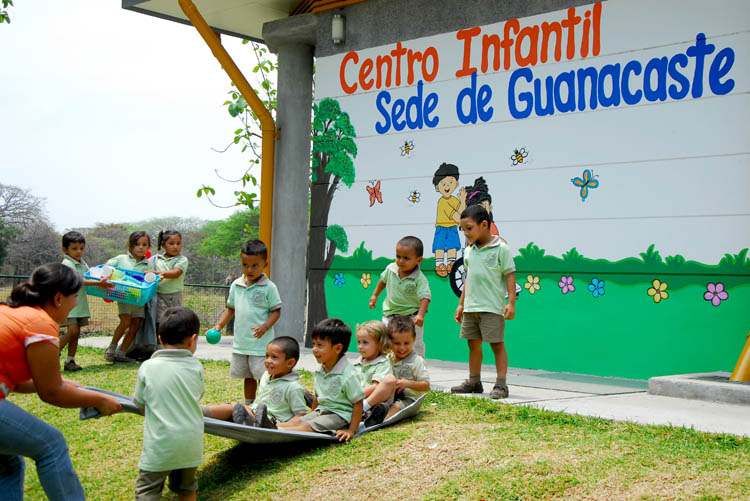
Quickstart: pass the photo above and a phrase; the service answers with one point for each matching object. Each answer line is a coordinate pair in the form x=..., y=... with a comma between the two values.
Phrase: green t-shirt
x=339, y=389
x=486, y=268
x=171, y=285
x=169, y=387
x=413, y=368
x=284, y=397
x=128, y=262
x=372, y=370
x=252, y=306
x=402, y=295
x=82, y=308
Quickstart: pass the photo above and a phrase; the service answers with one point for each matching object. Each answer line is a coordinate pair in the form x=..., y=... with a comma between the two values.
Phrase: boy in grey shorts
x=255, y=301
x=490, y=274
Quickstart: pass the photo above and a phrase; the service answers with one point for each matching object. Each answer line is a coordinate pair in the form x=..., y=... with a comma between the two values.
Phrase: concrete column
x=291, y=188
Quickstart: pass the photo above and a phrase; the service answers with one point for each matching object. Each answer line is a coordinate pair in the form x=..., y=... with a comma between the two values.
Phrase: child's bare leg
x=135, y=324
x=221, y=411
x=299, y=426
x=294, y=421
x=121, y=328
x=501, y=359
x=70, y=336
x=250, y=386
x=395, y=407
x=475, y=356
x=382, y=391
x=190, y=496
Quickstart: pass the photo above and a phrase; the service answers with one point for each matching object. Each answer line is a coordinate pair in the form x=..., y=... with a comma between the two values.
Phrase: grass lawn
x=457, y=448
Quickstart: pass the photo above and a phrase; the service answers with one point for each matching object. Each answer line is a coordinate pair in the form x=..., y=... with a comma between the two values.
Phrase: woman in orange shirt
x=30, y=362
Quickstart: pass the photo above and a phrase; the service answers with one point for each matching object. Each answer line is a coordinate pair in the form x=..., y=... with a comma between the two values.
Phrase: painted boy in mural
x=446, y=243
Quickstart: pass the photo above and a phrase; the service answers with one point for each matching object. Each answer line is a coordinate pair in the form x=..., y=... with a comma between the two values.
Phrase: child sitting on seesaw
x=412, y=379
x=374, y=370
x=280, y=395
x=337, y=405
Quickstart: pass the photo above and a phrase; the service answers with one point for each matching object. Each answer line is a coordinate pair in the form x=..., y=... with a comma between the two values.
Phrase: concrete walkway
x=610, y=398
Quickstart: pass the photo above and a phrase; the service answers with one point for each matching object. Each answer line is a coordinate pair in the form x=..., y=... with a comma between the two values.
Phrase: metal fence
x=207, y=301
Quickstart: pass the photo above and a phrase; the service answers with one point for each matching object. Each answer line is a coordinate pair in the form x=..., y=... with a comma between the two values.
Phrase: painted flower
x=365, y=280
x=658, y=291
x=339, y=280
x=532, y=284
x=715, y=293
x=566, y=284
x=596, y=287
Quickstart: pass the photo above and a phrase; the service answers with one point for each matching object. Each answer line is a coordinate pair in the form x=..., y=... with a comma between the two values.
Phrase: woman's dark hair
x=335, y=331
x=135, y=236
x=478, y=193
x=164, y=236
x=46, y=281
x=477, y=213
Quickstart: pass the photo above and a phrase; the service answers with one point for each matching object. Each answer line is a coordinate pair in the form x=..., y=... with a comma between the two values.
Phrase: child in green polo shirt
x=172, y=266
x=280, y=398
x=73, y=244
x=374, y=370
x=337, y=405
x=482, y=312
x=412, y=379
x=256, y=302
x=407, y=289
x=168, y=388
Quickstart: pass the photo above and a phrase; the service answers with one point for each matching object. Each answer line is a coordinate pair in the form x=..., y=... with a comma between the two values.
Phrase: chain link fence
x=207, y=301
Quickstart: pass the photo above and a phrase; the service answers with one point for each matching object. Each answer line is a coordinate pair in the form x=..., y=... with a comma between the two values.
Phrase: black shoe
x=376, y=415
x=468, y=387
x=262, y=420
x=240, y=415
x=309, y=398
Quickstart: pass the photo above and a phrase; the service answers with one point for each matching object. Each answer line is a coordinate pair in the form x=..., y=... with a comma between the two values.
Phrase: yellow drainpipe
x=267, y=125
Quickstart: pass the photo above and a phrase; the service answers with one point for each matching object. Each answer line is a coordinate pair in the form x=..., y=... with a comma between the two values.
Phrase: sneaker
x=309, y=398
x=376, y=415
x=499, y=392
x=262, y=419
x=241, y=415
x=109, y=354
x=468, y=387
x=72, y=366
x=121, y=358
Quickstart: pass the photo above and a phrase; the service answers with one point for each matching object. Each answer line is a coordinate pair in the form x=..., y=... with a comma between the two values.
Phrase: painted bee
x=407, y=148
x=414, y=196
x=518, y=156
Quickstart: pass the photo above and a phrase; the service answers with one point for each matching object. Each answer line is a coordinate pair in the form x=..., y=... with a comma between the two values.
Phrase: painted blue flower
x=339, y=280
x=596, y=287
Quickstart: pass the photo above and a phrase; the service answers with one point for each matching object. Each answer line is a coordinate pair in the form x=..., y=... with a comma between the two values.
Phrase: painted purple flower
x=715, y=293
x=566, y=284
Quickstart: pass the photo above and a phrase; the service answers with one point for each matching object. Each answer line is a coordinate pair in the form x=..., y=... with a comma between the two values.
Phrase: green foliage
x=333, y=142
x=337, y=235
x=4, y=16
x=7, y=234
x=224, y=238
x=738, y=262
x=573, y=258
x=651, y=256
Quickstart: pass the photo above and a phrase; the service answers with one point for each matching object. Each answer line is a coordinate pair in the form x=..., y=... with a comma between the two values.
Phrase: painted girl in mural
x=479, y=194
x=446, y=242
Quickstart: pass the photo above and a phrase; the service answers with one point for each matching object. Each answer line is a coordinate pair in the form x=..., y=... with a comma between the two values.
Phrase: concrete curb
x=708, y=386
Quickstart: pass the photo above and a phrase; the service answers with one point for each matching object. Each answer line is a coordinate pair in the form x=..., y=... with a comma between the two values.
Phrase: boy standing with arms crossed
x=168, y=389
x=490, y=274
x=256, y=302
x=407, y=289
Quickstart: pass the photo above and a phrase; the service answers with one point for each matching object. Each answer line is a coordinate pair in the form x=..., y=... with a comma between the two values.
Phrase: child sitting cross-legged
x=374, y=370
x=280, y=396
x=337, y=405
x=412, y=379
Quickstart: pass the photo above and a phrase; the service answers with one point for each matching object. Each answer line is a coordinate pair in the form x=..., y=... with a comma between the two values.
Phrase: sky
x=111, y=115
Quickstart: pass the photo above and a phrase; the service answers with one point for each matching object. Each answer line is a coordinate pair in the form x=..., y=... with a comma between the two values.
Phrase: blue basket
x=134, y=291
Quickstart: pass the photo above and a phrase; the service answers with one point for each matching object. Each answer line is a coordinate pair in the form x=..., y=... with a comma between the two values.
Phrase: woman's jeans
x=23, y=434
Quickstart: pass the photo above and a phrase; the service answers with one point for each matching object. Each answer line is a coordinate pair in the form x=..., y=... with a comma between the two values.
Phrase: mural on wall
x=373, y=190
x=631, y=228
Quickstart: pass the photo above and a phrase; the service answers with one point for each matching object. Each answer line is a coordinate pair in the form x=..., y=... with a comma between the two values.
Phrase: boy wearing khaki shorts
x=490, y=274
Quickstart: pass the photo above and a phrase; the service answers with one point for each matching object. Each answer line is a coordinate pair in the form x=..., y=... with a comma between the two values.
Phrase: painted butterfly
x=375, y=194
x=586, y=182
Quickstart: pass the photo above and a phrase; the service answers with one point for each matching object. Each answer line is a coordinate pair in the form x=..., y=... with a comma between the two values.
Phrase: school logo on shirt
x=332, y=386
x=410, y=288
x=277, y=395
x=403, y=371
x=258, y=298
x=489, y=258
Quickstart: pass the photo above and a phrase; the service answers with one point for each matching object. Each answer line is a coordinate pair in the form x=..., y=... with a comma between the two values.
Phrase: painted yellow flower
x=532, y=284
x=658, y=291
x=366, y=281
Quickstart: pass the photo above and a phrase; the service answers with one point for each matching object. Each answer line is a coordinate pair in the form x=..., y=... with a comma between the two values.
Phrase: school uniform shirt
x=82, y=308
x=372, y=370
x=339, y=389
x=252, y=306
x=128, y=262
x=169, y=387
x=283, y=396
x=402, y=295
x=485, y=277
x=171, y=285
x=413, y=368
x=19, y=328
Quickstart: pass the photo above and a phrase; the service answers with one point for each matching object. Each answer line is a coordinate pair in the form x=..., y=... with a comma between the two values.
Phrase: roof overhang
x=240, y=18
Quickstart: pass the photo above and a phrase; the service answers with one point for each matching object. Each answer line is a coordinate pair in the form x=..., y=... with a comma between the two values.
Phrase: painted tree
x=333, y=154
